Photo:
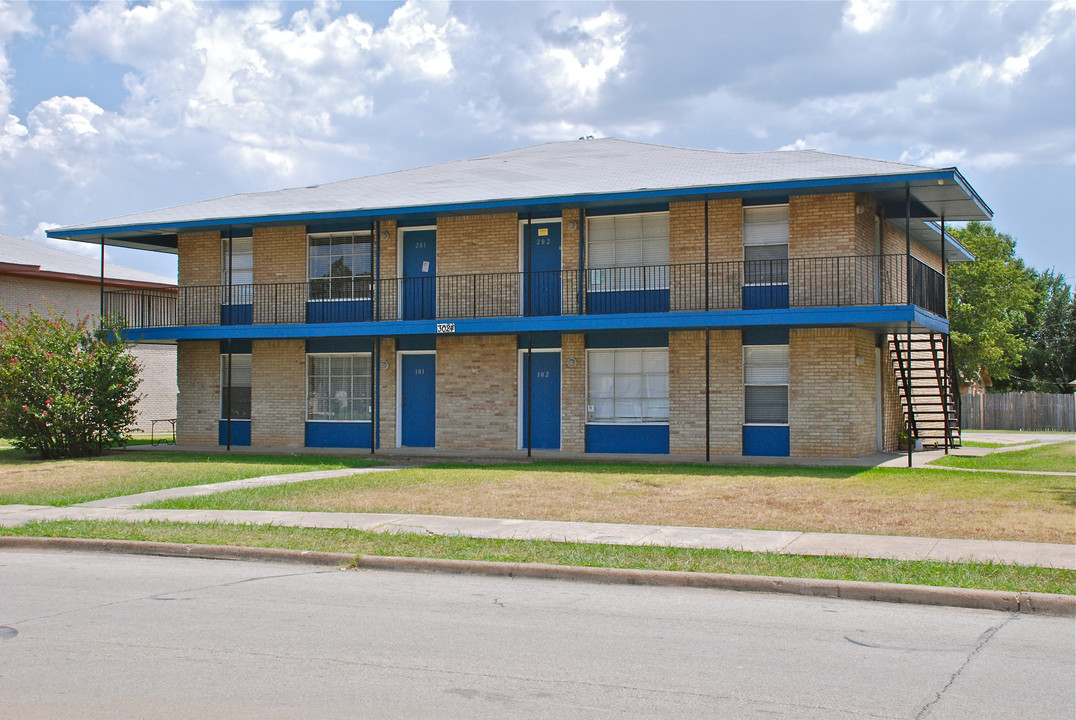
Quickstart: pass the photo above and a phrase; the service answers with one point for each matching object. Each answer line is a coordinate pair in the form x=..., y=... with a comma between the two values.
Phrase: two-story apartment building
x=597, y=296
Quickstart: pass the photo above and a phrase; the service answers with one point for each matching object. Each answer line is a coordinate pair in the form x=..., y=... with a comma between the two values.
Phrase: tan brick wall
x=388, y=253
x=573, y=407
x=278, y=393
x=280, y=274
x=687, y=232
x=468, y=244
x=387, y=389
x=477, y=393
x=892, y=414
x=726, y=392
x=894, y=242
x=199, y=258
x=821, y=225
x=831, y=397
x=198, y=405
x=687, y=392
x=159, y=388
x=726, y=253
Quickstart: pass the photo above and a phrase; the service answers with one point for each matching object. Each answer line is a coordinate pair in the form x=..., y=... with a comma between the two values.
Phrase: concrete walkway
x=792, y=543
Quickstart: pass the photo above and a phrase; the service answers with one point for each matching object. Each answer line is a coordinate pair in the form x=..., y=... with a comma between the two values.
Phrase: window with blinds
x=340, y=265
x=628, y=386
x=238, y=265
x=765, y=245
x=339, y=387
x=241, y=384
x=628, y=252
x=765, y=379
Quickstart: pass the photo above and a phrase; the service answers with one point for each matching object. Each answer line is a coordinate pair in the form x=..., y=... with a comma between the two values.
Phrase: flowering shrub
x=65, y=391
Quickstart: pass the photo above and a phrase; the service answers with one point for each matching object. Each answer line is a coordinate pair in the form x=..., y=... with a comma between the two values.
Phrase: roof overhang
x=934, y=195
x=35, y=272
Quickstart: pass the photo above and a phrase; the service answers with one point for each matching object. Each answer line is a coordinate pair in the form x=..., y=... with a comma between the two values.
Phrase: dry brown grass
x=931, y=503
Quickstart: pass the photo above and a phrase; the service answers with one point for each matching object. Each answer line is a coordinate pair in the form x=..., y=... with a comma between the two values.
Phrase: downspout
x=376, y=299
x=375, y=378
x=707, y=394
x=530, y=404
x=908, y=290
x=945, y=308
x=228, y=405
x=706, y=304
x=581, y=290
x=101, y=312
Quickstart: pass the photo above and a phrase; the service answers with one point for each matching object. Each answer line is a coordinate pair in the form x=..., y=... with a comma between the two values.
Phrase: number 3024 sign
x=446, y=328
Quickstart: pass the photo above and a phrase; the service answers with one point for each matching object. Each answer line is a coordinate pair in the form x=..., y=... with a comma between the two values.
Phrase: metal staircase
x=929, y=396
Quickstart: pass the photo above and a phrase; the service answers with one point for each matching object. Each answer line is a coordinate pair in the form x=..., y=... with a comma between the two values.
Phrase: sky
x=114, y=108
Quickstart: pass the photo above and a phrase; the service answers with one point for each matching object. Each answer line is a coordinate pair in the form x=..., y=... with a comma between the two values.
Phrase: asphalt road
x=101, y=636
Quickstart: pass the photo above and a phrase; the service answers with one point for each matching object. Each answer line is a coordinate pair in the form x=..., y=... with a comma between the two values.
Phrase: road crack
x=984, y=640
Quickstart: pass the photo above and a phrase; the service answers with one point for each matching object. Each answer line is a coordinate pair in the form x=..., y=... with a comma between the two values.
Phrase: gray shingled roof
x=560, y=169
x=18, y=251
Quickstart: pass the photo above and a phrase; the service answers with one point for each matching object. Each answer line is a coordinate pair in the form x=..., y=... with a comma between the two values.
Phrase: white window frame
x=598, y=278
x=747, y=209
x=785, y=384
x=243, y=291
x=352, y=355
x=369, y=277
x=591, y=352
x=224, y=384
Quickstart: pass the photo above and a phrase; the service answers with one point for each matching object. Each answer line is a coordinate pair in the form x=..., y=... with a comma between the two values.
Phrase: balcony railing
x=756, y=284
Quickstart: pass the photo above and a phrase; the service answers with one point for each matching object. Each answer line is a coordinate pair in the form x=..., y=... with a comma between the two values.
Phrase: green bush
x=65, y=391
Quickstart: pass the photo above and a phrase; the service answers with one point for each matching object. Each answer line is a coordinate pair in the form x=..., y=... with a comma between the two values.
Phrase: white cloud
x=579, y=55
x=866, y=16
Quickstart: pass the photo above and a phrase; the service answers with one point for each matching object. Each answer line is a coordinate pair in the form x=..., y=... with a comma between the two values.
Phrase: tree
x=64, y=390
x=1049, y=363
x=988, y=299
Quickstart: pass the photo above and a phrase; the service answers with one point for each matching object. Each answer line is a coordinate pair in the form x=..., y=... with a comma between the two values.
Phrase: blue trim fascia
x=888, y=315
x=774, y=188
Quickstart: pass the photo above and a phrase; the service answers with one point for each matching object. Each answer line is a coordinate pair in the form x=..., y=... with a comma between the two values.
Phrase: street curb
x=1013, y=602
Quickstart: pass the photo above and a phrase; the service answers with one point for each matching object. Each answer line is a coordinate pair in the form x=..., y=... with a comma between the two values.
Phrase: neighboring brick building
x=593, y=296
x=33, y=274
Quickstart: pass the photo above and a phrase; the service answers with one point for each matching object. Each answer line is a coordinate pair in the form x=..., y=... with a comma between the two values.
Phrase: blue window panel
x=756, y=297
x=627, y=301
x=416, y=342
x=543, y=371
x=628, y=208
x=236, y=314
x=240, y=432
x=772, y=200
x=239, y=347
x=766, y=440
x=637, y=439
x=338, y=434
x=324, y=311
x=539, y=340
x=765, y=336
x=627, y=339
x=418, y=400
x=340, y=345
x=542, y=266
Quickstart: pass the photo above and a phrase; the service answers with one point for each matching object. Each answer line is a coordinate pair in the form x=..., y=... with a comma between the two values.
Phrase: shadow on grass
x=647, y=469
x=13, y=456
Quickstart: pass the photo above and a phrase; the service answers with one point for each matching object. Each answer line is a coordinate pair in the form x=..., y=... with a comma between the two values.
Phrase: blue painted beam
x=875, y=316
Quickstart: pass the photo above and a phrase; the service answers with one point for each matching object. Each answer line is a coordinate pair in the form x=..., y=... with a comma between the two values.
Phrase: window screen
x=241, y=263
x=628, y=386
x=628, y=252
x=765, y=373
x=339, y=387
x=765, y=244
x=339, y=265
x=241, y=384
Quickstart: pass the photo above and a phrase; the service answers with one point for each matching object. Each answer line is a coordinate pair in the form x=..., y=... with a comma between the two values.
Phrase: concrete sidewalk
x=793, y=543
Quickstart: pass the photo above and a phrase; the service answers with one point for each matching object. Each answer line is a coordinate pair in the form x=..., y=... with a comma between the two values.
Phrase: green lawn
x=969, y=575
x=1056, y=457
x=993, y=445
x=891, y=501
x=67, y=482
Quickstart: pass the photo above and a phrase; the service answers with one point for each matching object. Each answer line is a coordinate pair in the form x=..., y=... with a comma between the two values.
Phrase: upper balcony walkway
x=768, y=285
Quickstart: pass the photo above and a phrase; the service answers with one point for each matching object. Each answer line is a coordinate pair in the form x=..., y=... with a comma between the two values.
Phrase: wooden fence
x=1017, y=411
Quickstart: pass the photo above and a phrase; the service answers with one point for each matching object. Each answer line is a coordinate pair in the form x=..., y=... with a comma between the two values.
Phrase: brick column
x=278, y=393
x=573, y=406
x=477, y=393
x=726, y=392
x=687, y=393
x=387, y=388
x=198, y=403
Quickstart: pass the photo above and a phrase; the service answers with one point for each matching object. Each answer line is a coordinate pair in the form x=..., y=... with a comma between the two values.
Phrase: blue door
x=542, y=266
x=542, y=408
x=418, y=399
x=418, y=289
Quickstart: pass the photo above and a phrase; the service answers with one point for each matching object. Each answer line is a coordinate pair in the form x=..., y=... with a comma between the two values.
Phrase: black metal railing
x=690, y=287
